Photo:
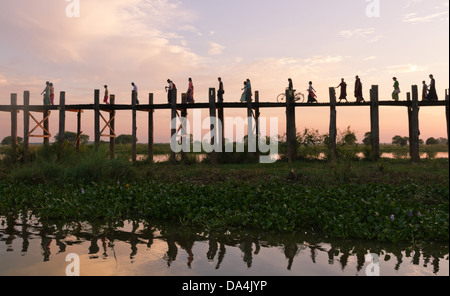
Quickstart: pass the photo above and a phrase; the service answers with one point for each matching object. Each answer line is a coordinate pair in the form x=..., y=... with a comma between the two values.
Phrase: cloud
x=215, y=48
x=406, y=68
x=415, y=18
x=367, y=34
x=364, y=33
x=113, y=42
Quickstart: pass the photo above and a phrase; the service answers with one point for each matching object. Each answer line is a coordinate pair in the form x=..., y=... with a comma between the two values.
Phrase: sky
x=116, y=42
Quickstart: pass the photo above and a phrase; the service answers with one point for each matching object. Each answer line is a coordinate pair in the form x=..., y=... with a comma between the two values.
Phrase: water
x=392, y=155
x=28, y=247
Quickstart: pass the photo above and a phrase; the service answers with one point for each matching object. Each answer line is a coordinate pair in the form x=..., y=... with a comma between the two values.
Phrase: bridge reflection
x=100, y=239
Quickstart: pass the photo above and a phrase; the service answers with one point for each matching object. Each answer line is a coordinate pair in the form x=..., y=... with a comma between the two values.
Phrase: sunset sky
x=116, y=42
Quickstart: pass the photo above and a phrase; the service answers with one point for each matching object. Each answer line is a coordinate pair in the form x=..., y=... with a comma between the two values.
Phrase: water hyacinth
x=82, y=191
x=410, y=214
x=392, y=217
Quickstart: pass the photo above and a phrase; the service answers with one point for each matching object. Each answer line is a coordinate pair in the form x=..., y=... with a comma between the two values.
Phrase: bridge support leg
x=333, y=128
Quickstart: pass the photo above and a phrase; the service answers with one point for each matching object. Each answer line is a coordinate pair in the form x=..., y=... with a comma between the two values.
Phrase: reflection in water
x=171, y=242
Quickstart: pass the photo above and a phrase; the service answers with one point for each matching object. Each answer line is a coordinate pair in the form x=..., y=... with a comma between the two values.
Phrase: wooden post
x=291, y=132
x=46, y=126
x=375, y=122
x=447, y=116
x=97, y=118
x=150, y=129
x=257, y=127
x=62, y=118
x=250, y=136
x=14, y=125
x=414, y=140
x=112, y=125
x=212, y=116
x=221, y=118
x=333, y=127
x=173, y=132
x=26, y=125
x=79, y=129
x=408, y=99
x=184, y=137
x=134, y=127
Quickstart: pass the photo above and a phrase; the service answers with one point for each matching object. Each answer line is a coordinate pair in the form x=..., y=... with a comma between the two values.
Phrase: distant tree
x=432, y=141
x=310, y=137
x=443, y=141
x=8, y=140
x=348, y=137
x=367, y=139
x=71, y=137
x=124, y=139
x=399, y=140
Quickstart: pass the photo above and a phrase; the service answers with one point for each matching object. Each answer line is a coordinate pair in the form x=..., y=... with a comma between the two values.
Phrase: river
x=28, y=247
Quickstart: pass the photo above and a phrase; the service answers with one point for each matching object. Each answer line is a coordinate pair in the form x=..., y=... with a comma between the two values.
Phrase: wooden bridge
x=216, y=110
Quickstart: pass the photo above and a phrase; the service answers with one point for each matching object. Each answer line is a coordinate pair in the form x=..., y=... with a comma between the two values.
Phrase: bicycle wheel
x=281, y=98
x=300, y=98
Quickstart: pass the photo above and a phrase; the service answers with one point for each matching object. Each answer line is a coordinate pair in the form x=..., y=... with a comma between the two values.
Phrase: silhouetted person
x=432, y=95
x=290, y=90
x=291, y=84
x=221, y=91
x=135, y=92
x=106, y=96
x=249, y=90
x=190, y=93
x=169, y=89
x=52, y=94
x=46, y=93
x=395, y=94
x=312, y=97
x=358, y=90
x=343, y=87
x=424, y=91
x=245, y=93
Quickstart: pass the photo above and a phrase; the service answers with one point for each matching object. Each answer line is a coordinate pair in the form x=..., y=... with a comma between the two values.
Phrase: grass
x=389, y=200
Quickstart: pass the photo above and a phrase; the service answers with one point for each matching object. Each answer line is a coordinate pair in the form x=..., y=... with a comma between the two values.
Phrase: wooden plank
x=40, y=124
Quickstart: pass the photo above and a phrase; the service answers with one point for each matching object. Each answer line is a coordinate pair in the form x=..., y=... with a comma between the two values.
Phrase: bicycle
x=298, y=97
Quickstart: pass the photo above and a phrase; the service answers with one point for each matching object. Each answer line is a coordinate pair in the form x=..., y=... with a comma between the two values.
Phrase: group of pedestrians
x=49, y=93
x=429, y=92
x=358, y=90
